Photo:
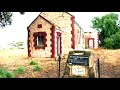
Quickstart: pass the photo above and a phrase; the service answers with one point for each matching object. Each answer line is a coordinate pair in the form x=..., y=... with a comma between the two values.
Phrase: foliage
x=113, y=42
x=6, y=74
x=108, y=43
x=6, y=18
x=18, y=45
x=116, y=40
x=33, y=63
x=20, y=70
x=37, y=68
x=108, y=27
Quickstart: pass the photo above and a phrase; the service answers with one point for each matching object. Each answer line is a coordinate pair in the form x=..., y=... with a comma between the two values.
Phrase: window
x=39, y=25
x=40, y=40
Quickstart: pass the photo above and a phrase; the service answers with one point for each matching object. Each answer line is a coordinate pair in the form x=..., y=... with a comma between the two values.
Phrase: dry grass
x=11, y=59
x=109, y=62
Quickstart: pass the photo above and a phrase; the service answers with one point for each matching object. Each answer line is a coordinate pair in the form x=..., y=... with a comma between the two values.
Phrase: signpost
x=98, y=69
x=59, y=65
x=58, y=53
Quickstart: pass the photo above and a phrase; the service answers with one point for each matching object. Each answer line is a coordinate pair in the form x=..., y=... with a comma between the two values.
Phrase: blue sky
x=18, y=30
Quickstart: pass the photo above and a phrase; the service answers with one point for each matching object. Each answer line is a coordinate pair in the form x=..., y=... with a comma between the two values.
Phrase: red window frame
x=93, y=42
x=36, y=34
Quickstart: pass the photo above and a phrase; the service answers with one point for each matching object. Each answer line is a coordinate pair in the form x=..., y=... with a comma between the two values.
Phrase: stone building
x=53, y=33
x=92, y=39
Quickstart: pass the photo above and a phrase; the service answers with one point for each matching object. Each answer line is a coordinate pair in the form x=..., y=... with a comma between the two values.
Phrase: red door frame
x=60, y=35
x=93, y=42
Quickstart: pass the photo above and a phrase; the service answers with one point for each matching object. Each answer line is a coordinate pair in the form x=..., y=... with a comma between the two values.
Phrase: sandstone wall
x=92, y=35
x=77, y=36
x=45, y=28
x=63, y=20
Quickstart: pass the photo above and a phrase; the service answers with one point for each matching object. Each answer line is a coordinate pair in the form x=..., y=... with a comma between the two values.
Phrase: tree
x=107, y=26
x=6, y=18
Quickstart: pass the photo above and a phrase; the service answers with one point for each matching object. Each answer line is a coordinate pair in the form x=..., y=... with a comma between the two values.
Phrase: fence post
x=98, y=69
x=59, y=58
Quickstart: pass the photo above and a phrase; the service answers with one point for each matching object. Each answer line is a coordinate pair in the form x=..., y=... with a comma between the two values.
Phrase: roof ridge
x=43, y=18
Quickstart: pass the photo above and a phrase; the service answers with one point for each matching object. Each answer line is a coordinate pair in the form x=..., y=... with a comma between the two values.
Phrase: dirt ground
x=11, y=59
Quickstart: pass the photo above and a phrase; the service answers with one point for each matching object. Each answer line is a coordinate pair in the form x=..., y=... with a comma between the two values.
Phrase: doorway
x=59, y=46
x=90, y=42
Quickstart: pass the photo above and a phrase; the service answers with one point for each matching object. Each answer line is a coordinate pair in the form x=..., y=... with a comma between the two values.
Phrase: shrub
x=10, y=74
x=6, y=74
x=116, y=41
x=19, y=70
x=113, y=42
x=108, y=43
x=37, y=68
x=18, y=45
x=33, y=63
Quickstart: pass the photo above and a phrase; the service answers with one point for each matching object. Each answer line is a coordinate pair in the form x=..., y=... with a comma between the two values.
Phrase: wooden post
x=59, y=58
x=98, y=69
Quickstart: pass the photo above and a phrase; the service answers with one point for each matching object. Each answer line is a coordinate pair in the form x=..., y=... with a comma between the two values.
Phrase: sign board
x=78, y=71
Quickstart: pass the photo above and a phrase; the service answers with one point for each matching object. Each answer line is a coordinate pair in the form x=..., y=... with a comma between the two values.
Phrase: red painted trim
x=59, y=34
x=93, y=42
x=73, y=33
x=35, y=39
x=28, y=43
x=52, y=41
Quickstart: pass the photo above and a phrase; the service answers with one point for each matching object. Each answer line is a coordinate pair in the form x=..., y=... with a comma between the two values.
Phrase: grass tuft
x=6, y=74
x=20, y=70
x=37, y=68
x=33, y=63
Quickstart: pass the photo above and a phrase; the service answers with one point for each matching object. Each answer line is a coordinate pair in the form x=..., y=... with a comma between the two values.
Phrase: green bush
x=33, y=63
x=108, y=43
x=10, y=74
x=113, y=42
x=18, y=45
x=6, y=74
x=116, y=40
x=37, y=68
x=20, y=70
